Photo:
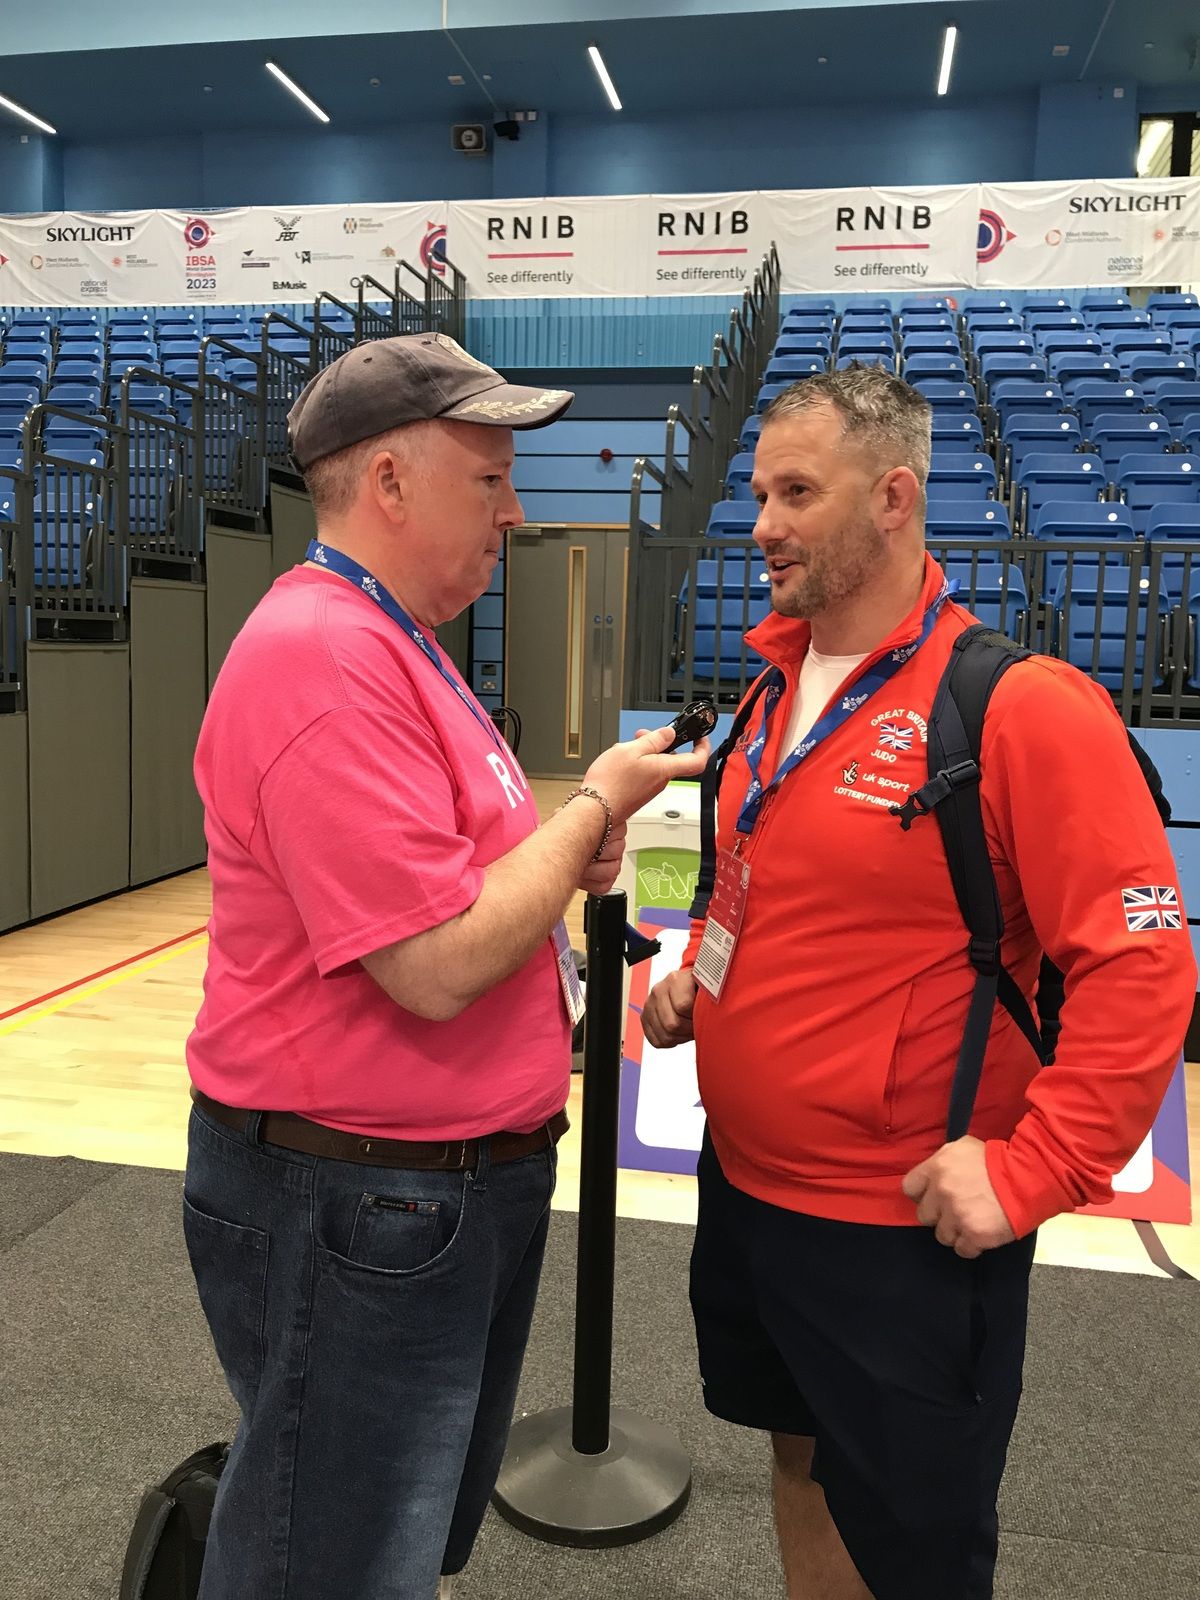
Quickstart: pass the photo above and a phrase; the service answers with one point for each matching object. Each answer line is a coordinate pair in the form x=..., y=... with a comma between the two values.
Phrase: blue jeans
x=371, y=1323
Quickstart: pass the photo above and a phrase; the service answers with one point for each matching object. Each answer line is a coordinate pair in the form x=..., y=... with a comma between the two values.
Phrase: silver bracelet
x=594, y=794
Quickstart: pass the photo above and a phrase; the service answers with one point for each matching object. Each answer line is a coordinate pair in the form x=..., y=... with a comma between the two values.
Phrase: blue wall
x=1072, y=131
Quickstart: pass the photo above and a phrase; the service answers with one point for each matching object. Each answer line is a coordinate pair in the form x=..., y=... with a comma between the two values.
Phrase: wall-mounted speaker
x=469, y=137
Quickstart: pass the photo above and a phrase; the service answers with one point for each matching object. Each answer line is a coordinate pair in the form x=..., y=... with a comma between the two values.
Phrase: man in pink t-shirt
x=382, y=1056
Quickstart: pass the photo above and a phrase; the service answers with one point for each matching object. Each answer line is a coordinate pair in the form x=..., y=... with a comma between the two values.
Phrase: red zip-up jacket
x=826, y=1066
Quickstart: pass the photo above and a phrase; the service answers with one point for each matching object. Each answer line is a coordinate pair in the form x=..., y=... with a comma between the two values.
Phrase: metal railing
x=157, y=460
x=16, y=497
x=1124, y=612
x=700, y=438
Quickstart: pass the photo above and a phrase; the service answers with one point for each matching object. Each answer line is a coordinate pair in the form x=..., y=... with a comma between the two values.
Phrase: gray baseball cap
x=414, y=378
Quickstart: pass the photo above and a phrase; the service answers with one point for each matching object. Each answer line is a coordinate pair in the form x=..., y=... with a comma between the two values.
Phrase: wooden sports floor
x=96, y=1005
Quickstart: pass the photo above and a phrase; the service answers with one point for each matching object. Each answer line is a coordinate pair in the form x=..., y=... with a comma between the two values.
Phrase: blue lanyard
x=334, y=561
x=861, y=690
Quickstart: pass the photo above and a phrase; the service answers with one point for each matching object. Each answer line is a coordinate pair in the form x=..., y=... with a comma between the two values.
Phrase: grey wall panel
x=292, y=526
x=238, y=570
x=78, y=773
x=168, y=687
x=14, y=821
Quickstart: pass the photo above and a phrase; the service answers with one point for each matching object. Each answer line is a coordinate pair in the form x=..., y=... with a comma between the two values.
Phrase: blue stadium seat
x=738, y=475
x=75, y=396
x=1038, y=433
x=1118, y=434
x=1015, y=342
x=1063, y=341
x=1189, y=432
x=730, y=598
x=934, y=366
x=1099, y=522
x=944, y=394
x=85, y=454
x=150, y=399
x=769, y=392
x=1146, y=364
x=1068, y=366
x=1180, y=573
x=867, y=358
x=63, y=430
x=1044, y=478
x=1092, y=623
x=866, y=344
x=1024, y=394
x=861, y=323
x=923, y=304
x=1092, y=397
x=807, y=323
x=1136, y=341
x=930, y=344
x=12, y=455
x=993, y=368
x=918, y=322
x=1042, y=322
x=15, y=402
x=748, y=437
x=1115, y=321
x=986, y=305
x=994, y=593
x=81, y=349
x=868, y=305
x=1089, y=304
x=992, y=324
x=966, y=519
x=1165, y=302
x=129, y=319
x=791, y=369
x=1173, y=318
x=1045, y=302
x=961, y=476
x=77, y=317
x=73, y=371
x=1151, y=480
x=952, y=430
x=144, y=351
x=803, y=344
x=732, y=519
x=23, y=374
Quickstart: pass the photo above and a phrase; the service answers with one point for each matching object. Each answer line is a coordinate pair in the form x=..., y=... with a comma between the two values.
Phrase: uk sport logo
x=1149, y=908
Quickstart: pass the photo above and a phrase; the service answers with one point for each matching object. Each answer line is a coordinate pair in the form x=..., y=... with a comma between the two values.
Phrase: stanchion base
x=636, y=1488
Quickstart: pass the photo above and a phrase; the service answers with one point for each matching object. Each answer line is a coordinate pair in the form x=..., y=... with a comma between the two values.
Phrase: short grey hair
x=882, y=416
x=333, y=480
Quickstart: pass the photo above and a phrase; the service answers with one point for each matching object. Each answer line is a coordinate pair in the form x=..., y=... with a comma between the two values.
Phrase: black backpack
x=978, y=661
x=166, y=1548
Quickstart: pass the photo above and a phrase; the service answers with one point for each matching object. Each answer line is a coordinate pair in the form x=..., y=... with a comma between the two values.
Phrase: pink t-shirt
x=351, y=799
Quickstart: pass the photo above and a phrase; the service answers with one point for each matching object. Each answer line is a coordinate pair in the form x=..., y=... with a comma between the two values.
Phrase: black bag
x=166, y=1548
x=979, y=660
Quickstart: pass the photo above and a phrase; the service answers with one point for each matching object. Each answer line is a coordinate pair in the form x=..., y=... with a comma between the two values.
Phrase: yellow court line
x=98, y=988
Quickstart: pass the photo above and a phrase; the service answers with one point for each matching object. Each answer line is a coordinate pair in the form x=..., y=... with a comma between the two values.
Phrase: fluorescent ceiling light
x=610, y=87
x=11, y=105
x=948, y=44
x=278, y=72
x=1153, y=136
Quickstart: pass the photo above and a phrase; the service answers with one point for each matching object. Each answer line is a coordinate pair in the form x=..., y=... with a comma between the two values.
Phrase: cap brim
x=509, y=405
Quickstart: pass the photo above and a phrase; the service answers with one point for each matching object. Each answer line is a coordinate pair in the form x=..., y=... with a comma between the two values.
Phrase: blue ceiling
x=661, y=66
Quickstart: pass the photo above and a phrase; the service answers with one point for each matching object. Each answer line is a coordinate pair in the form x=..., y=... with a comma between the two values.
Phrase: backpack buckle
x=931, y=794
x=985, y=955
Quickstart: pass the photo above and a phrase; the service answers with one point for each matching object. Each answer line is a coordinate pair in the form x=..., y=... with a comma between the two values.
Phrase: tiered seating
x=1063, y=436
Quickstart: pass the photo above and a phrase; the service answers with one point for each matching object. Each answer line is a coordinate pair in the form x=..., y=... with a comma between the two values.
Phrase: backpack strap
x=710, y=783
x=977, y=663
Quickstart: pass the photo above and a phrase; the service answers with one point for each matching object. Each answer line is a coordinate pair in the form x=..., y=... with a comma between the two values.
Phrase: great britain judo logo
x=895, y=736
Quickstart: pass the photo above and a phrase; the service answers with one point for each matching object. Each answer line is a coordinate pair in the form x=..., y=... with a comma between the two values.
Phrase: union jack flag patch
x=895, y=736
x=1150, y=908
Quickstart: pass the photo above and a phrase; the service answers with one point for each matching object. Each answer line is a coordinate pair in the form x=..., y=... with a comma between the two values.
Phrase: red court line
x=76, y=983
x=532, y=255
x=739, y=250
x=881, y=247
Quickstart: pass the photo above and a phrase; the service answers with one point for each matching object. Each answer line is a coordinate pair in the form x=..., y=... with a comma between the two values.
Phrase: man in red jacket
x=860, y=1286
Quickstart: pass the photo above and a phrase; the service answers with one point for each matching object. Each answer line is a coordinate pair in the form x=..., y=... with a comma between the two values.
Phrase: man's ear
x=385, y=482
x=898, y=494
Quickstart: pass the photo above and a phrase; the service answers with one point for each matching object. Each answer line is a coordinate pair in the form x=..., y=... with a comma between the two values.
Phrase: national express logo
x=433, y=248
x=993, y=236
x=196, y=233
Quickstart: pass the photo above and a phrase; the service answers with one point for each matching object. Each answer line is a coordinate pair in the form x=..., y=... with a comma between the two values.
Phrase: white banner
x=857, y=240
x=244, y=256
x=1089, y=234
x=1024, y=235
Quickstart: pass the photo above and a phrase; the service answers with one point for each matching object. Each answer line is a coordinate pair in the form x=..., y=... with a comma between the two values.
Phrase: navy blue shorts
x=900, y=1359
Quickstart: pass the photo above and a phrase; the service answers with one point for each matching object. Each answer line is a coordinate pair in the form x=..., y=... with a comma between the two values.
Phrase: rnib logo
x=993, y=236
x=196, y=233
x=433, y=248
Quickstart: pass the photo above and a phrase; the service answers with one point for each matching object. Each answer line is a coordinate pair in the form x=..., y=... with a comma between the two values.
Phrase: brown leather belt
x=285, y=1128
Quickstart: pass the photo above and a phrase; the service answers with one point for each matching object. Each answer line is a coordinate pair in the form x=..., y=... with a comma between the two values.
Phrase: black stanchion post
x=587, y=1474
